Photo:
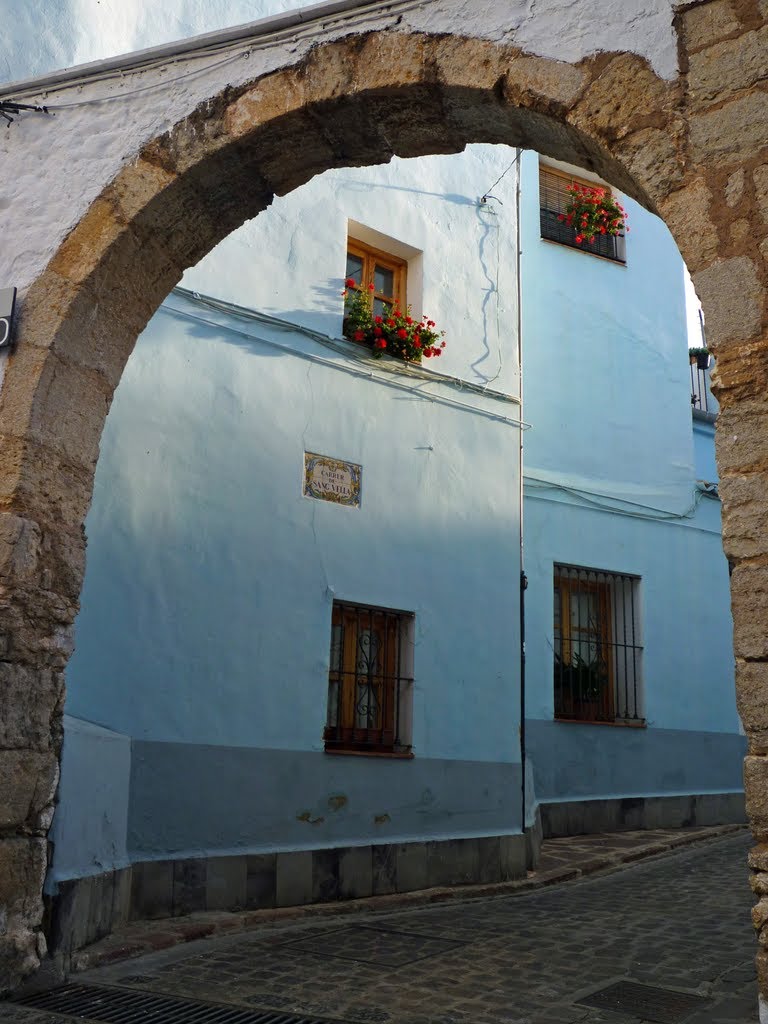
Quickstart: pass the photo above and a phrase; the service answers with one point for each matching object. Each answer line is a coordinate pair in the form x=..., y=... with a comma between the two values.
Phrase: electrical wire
x=293, y=33
x=164, y=83
x=487, y=194
x=337, y=347
x=607, y=502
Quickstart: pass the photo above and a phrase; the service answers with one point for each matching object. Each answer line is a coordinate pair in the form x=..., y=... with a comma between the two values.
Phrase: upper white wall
x=99, y=125
x=41, y=37
x=290, y=260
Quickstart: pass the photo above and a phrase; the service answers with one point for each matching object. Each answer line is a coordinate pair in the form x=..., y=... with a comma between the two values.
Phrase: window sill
x=398, y=755
x=621, y=723
x=577, y=248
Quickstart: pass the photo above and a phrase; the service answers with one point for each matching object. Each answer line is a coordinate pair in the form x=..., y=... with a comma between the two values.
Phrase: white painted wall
x=99, y=125
x=290, y=260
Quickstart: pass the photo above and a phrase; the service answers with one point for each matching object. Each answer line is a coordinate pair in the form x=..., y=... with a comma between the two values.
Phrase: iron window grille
x=370, y=680
x=597, y=646
x=553, y=200
x=700, y=379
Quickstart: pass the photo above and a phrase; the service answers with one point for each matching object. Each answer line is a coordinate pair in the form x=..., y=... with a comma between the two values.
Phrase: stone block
x=513, y=857
x=325, y=875
x=384, y=869
x=718, y=809
x=355, y=872
x=687, y=214
x=533, y=79
x=121, y=903
x=489, y=859
x=760, y=180
x=758, y=857
x=189, y=886
x=729, y=134
x=732, y=296
x=20, y=541
x=226, y=883
x=760, y=914
x=29, y=699
x=452, y=862
x=707, y=23
x=70, y=915
x=68, y=408
x=752, y=702
x=729, y=66
x=618, y=100
x=261, y=882
x=411, y=867
x=734, y=187
x=761, y=962
x=534, y=837
x=22, y=872
x=152, y=889
x=749, y=603
x=100, y=906
x=293, y=879
x=756, y=792
x=651, y=156
x=742, y=442
x=27, y=785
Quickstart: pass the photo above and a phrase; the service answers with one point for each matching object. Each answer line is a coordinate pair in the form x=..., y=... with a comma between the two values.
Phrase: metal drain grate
x=662, y=1005
x=125, y=1006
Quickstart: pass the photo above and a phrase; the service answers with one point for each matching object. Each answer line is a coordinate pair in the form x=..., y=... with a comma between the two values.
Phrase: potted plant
x=394, y=332
x=592, y=211
x=700, y=357
x=582, y=688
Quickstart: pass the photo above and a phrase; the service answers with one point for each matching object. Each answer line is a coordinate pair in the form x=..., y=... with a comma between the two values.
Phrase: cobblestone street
x=679, y=922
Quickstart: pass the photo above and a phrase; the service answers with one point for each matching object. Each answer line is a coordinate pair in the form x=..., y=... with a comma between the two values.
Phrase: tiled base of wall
x=586, y=817
x=87, y=909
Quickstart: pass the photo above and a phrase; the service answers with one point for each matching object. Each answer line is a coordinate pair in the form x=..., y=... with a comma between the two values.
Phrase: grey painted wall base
x=85, y=910
x=585, y=817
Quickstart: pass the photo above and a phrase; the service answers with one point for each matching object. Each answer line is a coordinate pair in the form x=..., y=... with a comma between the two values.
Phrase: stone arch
x=691, y=153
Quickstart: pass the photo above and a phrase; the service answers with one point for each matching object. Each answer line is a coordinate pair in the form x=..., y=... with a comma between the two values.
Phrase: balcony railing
x=702, y=399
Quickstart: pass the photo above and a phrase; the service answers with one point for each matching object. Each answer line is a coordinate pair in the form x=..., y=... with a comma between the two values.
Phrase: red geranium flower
x=350, y=282
x=377, y=331
x=359, y=335
x=370, y=288
x=381, y=343
x=377, y=320
x=402, y=333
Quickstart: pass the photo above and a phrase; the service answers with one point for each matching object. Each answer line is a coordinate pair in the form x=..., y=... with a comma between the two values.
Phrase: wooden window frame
x=599, y=635
x=608, y=247
x=606, y=686
x=372, y=256
x=375, y=688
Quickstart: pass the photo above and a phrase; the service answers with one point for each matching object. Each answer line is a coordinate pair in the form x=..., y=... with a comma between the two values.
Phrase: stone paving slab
x=562, y=860
x=678, y=922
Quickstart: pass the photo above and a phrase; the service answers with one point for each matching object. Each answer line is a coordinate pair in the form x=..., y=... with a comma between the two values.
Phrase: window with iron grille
x=370, y=681
x=553, y=200
x=597, y=645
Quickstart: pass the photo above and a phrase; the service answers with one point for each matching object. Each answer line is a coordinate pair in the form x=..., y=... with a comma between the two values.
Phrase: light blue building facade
x=277, y=698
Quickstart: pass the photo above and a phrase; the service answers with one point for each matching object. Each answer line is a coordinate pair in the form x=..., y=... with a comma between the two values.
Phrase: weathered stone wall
x=154, y=183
